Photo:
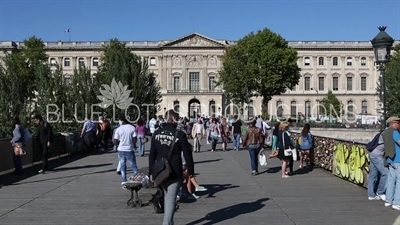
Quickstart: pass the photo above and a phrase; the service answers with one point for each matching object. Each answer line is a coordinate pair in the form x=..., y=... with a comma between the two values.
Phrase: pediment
x=195, y=40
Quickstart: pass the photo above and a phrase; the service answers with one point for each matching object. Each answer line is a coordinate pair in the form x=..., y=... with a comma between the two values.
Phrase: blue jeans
x=141, y=144
x=393, y=189
x=377, y=169
x=236, y=141
x=17, y=162
x=130, y=157
x=170, y=193
x=254, y=158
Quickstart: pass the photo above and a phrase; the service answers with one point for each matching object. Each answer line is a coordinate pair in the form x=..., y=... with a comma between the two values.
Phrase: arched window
x=364, y=107
x=53, y=62
x=335, y=61
x=293, y=109
x=349, y=61
x=279, y=109
x=176, y=106
x=212, y=108
x=153, y=61
x=95, y=62
x=81, y=62
x=307, y=61
x=67, y=62
x=350, y=109
x=320, y=61
x=308, y=109
x=250, y=109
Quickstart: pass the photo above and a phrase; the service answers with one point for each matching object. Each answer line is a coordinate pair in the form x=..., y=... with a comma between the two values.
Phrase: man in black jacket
x=161, y=142
x=44, y=139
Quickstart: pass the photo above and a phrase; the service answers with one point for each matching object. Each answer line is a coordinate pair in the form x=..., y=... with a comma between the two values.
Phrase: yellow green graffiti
x=351, y=162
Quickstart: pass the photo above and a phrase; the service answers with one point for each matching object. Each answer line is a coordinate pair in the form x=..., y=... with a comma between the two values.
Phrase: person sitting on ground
x=190, y=181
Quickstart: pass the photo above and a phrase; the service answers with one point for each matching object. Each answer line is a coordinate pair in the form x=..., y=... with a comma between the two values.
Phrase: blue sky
x=100, y=20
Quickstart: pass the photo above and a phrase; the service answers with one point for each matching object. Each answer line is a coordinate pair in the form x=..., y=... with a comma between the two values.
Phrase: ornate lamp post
x=382, y=44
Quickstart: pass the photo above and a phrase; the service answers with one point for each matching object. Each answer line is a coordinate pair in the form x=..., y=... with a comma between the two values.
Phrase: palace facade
x=187, y=69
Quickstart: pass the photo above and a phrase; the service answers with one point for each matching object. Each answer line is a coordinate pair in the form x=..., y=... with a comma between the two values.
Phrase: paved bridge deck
x=86, y=190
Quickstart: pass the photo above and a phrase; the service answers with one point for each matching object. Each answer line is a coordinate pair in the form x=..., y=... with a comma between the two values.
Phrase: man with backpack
x=377, y=169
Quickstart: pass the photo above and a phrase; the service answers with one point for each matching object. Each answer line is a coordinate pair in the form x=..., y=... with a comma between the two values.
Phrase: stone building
x=188, y=66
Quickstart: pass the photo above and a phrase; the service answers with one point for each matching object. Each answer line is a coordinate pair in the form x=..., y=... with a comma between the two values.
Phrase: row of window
x=335, y=61
x=294, y=108
x=194, y=82
x=95, y=62
x=335, y=83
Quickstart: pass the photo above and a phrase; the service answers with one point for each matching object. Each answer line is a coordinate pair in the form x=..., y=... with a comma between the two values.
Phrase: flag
x=66, y=31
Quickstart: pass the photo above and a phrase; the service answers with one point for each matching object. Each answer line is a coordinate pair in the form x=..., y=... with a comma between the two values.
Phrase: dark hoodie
x=160, y=146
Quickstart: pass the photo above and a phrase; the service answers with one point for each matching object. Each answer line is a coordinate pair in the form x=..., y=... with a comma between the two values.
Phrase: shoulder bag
x=289, y=151
x=162, y=168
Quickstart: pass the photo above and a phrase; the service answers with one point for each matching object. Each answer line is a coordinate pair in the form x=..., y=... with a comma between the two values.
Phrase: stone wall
x=63, y=143
x=345, y=159
x=352, y=134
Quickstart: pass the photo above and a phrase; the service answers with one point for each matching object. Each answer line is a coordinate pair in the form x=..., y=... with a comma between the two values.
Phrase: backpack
x=374, y=143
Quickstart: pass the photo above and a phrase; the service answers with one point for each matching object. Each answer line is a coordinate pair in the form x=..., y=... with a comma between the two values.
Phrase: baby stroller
x=134, y=184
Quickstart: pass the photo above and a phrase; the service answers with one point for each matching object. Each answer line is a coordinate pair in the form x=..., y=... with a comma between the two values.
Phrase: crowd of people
x=170, y=130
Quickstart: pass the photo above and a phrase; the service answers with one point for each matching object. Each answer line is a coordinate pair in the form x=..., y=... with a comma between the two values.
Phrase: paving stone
x=87, y=191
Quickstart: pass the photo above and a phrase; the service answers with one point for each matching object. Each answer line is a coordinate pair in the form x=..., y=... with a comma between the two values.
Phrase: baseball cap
x=392, y=118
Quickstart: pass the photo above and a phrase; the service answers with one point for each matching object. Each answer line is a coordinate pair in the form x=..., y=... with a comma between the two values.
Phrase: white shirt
x=198, y=128
x=125, y=135
x=265, y=127
x=152, y=124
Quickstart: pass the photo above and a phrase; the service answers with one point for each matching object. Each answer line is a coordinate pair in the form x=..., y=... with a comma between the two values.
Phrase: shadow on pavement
x=207, y=161
x=11, y=178
x=230, y=212
x=212, y=189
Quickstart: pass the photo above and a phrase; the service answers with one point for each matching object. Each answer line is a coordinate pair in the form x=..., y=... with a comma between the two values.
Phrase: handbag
x=262, y=159
x=289, y=151
x=18, y=149
x=162, y=168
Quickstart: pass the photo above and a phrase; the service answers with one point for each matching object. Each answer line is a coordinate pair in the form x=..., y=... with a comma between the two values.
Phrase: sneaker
x=194, y=196
x=124, y=186
x=396, y=207
x=201, y=188
x=374, y=198
x=41, y=171
x=254, y=173
x=382, y=197
x=387, y=204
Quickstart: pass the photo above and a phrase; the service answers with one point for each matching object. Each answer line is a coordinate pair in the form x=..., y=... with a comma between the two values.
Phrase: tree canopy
x=30, y=85
x=331, y=106
x=392, y=81
x=261, y=64
x=125, y=73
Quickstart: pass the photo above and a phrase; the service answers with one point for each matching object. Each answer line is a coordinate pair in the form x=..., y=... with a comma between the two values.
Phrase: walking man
x=125, y=137
x=161, y=144
x=45, y=139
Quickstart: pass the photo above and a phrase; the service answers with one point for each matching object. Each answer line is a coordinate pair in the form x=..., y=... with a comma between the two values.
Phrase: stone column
x=357, y=79
x=342, y=78
x=204, y=71
x=184, y=73
x=329, y=79
x=314, y=81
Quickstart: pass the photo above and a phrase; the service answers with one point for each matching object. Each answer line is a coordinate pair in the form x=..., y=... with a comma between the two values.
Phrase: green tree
x=81, y=97
x=120, y=72
x=392, y=82
x=331, y=106
x=17, y=75
x=260, y=63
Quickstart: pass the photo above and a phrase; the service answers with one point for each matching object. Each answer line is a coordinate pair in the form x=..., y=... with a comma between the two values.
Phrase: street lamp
x=316, y=90
x=382, y=44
